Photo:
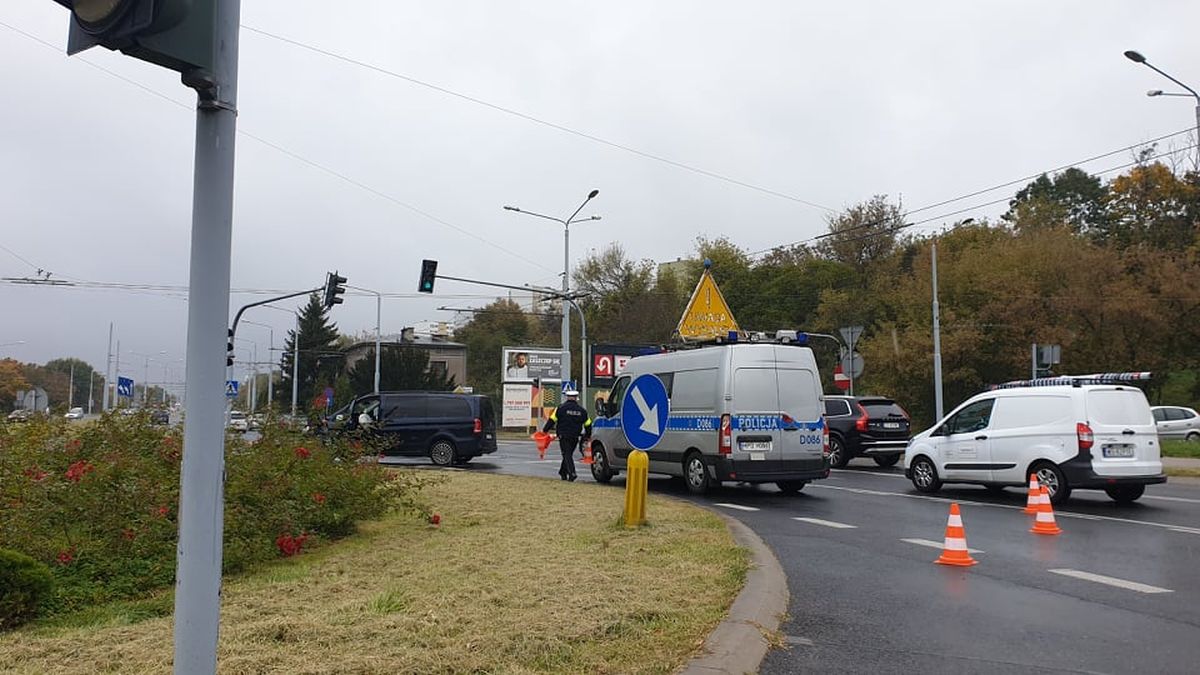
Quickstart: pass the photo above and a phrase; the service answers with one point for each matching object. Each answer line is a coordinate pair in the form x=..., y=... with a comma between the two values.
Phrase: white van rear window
x=1030, y=411
x=798, y=394
x=755, y=390
x=1118, y=406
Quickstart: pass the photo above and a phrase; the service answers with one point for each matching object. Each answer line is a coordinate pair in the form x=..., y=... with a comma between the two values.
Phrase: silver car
x=1177, y=423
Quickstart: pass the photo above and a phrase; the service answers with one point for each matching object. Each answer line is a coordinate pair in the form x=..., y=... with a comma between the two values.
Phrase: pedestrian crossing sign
x=231, y=388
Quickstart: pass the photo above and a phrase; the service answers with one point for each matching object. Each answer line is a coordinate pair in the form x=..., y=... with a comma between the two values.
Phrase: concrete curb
x=738, y=644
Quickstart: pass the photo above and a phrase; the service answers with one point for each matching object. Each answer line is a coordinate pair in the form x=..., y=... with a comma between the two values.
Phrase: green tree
x=628, y=302
x=12, y=380
x=320, y=360
x=400, y=369
x=863, y=233
x=1074, y=198
x=83, y=370
x=501, y=323
x=1152, y=206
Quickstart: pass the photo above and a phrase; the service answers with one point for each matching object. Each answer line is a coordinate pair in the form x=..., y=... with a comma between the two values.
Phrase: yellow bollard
x=637, y=477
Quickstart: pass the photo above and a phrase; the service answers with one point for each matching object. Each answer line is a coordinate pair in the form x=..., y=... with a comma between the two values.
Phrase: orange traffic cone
x=1045, y=516
x=954, y=551
x=587, y=452
x=1031, y=503
x=543, y=441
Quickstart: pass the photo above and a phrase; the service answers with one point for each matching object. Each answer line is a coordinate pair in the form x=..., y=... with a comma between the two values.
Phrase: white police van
x=744, y=412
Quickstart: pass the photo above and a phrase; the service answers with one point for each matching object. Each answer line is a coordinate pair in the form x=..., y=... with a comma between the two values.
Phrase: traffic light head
x=428, y=275
x=175, y=34
x=229, y=350
x=334, y=288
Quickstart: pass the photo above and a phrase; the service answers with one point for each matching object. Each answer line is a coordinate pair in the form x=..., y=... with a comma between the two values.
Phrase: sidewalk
x=1181, y=463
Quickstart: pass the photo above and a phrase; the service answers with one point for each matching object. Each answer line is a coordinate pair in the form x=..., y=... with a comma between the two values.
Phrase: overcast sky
x=825, y=103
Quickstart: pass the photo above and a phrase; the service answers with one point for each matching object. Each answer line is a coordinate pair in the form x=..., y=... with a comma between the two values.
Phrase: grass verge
x=524, y=575
x=1183, y=473
x=1181, y=449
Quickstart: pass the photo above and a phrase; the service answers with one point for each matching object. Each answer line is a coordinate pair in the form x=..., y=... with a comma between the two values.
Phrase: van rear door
x=757, y=439
x=802, y=439
x=1125, y=438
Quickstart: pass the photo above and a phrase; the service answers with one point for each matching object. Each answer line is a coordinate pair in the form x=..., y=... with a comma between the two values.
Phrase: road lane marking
x=826, y=523
x=934, y=544
x=1111, y=581
x=738, y=507
x=1057, y=514
x=853, y=472
x=1186, y=500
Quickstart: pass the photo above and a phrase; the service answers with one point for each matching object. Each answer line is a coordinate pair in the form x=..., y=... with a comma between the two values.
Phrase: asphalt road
x=1117, y=592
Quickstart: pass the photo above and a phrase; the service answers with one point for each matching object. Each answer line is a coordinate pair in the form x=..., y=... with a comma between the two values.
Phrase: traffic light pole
x=202, y=491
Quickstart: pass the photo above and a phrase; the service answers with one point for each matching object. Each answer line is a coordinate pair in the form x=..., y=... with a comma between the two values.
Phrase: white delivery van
x=745, y=412
x=1073, y=432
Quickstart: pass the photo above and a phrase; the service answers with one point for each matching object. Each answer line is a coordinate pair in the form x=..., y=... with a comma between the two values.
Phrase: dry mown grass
x=524, y=575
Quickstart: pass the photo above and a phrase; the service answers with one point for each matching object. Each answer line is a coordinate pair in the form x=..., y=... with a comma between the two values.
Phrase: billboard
x=608, y=360
x=522, y=364
x=518, y=404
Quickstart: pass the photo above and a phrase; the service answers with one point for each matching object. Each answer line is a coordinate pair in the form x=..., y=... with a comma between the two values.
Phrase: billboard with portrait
x=523, y=364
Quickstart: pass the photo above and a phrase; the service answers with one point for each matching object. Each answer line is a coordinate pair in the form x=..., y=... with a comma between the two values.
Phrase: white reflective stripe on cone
x=955, y=521
x=956, y=544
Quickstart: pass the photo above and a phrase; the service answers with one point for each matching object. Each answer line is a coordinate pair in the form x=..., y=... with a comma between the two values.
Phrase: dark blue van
x=448, y=428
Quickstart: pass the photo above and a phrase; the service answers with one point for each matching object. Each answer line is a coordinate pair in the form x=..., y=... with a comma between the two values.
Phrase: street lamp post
x=1138, y=58
x=937, y=326
x=566, y=319
x=270, y=365
x=378, y=313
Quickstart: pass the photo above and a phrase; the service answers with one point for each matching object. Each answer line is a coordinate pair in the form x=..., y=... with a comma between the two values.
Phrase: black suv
x=868, y=426
x=448, y=428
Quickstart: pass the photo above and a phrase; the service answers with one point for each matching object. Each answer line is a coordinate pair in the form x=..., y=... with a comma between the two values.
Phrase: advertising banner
x=523, y=364
x=518, y=403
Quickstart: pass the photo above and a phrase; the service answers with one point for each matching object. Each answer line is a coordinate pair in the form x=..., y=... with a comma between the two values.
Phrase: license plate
x=752, y=446
x=891, y=425
x=1118, y=450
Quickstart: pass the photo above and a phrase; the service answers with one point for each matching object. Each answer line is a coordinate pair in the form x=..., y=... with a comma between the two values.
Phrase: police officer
x=573, y=424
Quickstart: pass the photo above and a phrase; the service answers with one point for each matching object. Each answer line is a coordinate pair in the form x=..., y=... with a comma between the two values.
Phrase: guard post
x=636, y=482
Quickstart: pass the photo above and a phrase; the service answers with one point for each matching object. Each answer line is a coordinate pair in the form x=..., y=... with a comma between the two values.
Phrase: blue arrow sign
x=231, y=388
x=644, y=411
x=125, y=386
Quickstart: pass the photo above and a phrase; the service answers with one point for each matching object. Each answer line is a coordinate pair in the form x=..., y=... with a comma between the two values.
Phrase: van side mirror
x=601, y=409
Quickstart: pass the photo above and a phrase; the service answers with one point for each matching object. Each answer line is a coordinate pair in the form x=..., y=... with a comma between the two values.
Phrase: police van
x=740, y=412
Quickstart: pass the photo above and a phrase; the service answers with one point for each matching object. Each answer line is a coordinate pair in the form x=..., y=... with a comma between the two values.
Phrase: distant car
x=128, y=412
x=238, y=421
x=20, y=416
x=74, y=414
x=159, y=416
x=1176, y=423
x=256, y=421
x=867, y=426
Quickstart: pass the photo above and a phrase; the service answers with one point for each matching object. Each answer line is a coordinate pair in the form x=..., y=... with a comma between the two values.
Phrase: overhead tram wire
x=861, y=226
x=530, y=118
x=293, y=155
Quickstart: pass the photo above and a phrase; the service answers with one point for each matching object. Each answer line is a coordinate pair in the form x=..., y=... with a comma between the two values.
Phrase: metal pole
x=566, y=315
x=201, y=499
x=107, y=370
x=91, y=389
x=71, y=389
x=1198, y=134
x=254, y=380
x=146, y=384
x=1033, y=360
x=271, y=372
x=295, y=365
x=937, y=340
x=117, y=374
x=378, y=312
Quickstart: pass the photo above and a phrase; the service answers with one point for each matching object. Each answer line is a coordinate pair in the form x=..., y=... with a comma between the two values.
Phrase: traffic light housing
x=334, y=289
x=229, y=350
x=175, y=34
x=428, y=275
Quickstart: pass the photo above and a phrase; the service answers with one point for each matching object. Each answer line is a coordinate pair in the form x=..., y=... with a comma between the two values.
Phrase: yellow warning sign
x=707, y=316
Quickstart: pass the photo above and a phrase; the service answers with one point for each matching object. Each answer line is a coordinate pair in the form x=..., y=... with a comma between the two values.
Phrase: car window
x=883, y=408
x=836, y=407
x=614, y=398
x=974, y=417
x=404, y=406
x=445, y=406
x=694, y=390
x=1176, y=414
x=667, y=379
x=1160, y=414
x=1187, y=414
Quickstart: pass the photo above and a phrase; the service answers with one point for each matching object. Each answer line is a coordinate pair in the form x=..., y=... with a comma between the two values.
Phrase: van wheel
x=838, y=458
x=601, y=470
x=886, y=460
x=924, y=475
x=1052, y=478
x=442, y=453
x=462, y=461
x=1125, y=494
x=791, y=487
x=695, y=473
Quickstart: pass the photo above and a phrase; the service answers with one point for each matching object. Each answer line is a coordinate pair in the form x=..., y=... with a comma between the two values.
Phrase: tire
x=441, y=452
x=791, y=487
x=463, y=461
x=695, y=473
x=1125, y=494
x=838, y=458
x=601, y=470
x=1193, y=437
x=924, y=475
x=1055, y=482
x=886, y=460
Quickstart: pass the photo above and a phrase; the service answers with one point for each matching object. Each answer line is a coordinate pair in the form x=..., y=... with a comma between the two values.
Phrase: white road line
x=1111, y=581
x=855, y=472
x=934, y=544
x=1172, y=499
x=1057, y=514
x=738, y=507
x=826, y=523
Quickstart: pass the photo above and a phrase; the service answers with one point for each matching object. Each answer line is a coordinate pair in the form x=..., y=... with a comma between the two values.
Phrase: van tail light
x=825, y=441
x=478, y=426
x=861, y=423
x=725, y=436
x=1086, y=439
